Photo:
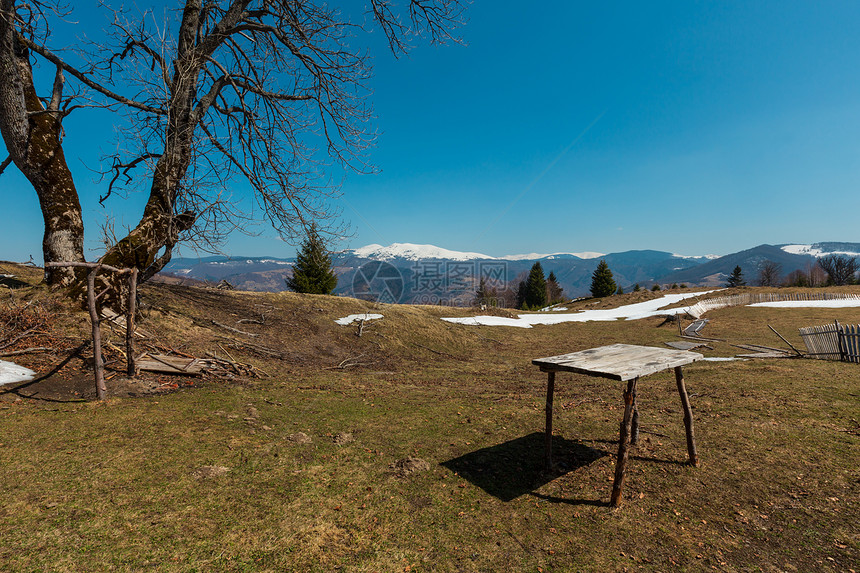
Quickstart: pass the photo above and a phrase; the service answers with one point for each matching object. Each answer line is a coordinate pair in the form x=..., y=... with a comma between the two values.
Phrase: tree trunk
x=148, y=247
x=32, y=135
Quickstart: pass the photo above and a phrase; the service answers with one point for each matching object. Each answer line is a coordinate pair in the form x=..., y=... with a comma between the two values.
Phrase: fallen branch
x=350, y=362
x=265, y=350
x=231, y=329
x=439, y=352
x=26, y=351
x=15, y=339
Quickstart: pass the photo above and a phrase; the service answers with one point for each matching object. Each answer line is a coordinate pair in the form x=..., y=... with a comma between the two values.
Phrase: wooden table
x=626, y=363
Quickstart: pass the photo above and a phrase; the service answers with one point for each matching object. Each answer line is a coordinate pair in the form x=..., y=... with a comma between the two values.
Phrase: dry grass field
x=302, y=468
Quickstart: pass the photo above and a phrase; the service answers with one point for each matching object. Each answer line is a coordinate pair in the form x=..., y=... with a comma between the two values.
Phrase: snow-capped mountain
x=412, y=252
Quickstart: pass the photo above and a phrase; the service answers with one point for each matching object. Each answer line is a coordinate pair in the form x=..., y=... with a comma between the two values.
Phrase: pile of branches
x=26, y=328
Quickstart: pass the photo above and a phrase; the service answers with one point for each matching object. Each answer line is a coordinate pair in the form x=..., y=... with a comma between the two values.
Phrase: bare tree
x=269, y=91
x=840, y=269
x=32, y=132
x=769, y=273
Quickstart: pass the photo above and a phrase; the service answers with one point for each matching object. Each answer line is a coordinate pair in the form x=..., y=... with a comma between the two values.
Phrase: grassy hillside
x=297, y=470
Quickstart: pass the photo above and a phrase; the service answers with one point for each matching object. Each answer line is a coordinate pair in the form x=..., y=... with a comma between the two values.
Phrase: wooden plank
x=618, y=361
x=765, y=355
x=172, y=364
x=685, y=345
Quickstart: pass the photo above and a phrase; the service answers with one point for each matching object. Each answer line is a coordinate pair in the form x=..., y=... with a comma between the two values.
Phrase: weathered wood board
x=173, y=364
x=684, y=345
x=618, y=361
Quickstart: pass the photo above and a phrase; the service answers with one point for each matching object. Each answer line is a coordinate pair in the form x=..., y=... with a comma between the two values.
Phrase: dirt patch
x=408, y=466
x=300, y=438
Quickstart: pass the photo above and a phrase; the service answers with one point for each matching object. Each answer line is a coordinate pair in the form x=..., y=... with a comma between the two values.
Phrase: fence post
x=131, y=367
x=841, y=342
x=98, y=362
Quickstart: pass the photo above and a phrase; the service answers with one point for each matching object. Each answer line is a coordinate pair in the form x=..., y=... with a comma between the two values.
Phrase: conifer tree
x=602, y=283
x=736, y=279
x=521, y=294
x=535, y=295
x=553, y=289
x=485, y=295
x=312, y=272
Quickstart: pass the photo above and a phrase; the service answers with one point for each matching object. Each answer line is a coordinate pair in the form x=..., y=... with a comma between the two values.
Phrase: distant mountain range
x=426, y=274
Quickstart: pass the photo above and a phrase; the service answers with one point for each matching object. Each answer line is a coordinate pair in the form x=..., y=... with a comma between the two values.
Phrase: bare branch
x=48, y=55
x=123, y=169
x=57, y=92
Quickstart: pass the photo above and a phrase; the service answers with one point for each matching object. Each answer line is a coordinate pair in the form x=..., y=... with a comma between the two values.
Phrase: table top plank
x=618, y=361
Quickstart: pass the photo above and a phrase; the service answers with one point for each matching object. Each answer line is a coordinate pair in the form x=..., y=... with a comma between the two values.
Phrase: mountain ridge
x=434, y=275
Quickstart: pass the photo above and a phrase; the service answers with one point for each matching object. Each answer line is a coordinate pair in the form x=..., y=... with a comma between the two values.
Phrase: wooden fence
x=703, y=306
x=832, y=342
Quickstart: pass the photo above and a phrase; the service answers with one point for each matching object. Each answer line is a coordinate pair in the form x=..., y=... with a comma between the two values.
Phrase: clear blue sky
x=692, y=127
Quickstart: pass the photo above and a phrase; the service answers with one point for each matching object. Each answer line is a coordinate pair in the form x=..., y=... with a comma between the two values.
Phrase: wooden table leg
x=623, y=443
x=550, y=389
x=634, y=428
x=688, y=417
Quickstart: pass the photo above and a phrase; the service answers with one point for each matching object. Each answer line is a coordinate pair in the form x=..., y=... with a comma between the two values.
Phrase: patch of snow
x=11, y=373
x=414, y=252
x=709, y=257
x=534, y=256
x=802, y=250
x=723, y=359
x=814, y=251
x=836, y=303
x=347, y=320
x=628, y=312
x=526, y=256
x=588, y=255
x=560, y=308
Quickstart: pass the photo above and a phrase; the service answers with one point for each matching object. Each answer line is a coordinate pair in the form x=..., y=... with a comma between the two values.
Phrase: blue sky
x=689, y=127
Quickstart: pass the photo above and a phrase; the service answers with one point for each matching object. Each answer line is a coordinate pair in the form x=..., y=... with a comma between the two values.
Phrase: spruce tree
x=312, y=272
x=602, y=283
x=736, y=279
x=521, y=294
x=485, y=295
x=535, y=295
x=553, y=289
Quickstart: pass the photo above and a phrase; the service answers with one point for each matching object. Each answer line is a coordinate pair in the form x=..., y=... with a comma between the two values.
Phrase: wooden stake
x=550, y=390
x=688, y=417
x=131, y=368
x=623, y=444
x=840, y=342
x=799, y=353
x=634, y=427
x=98, y=362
